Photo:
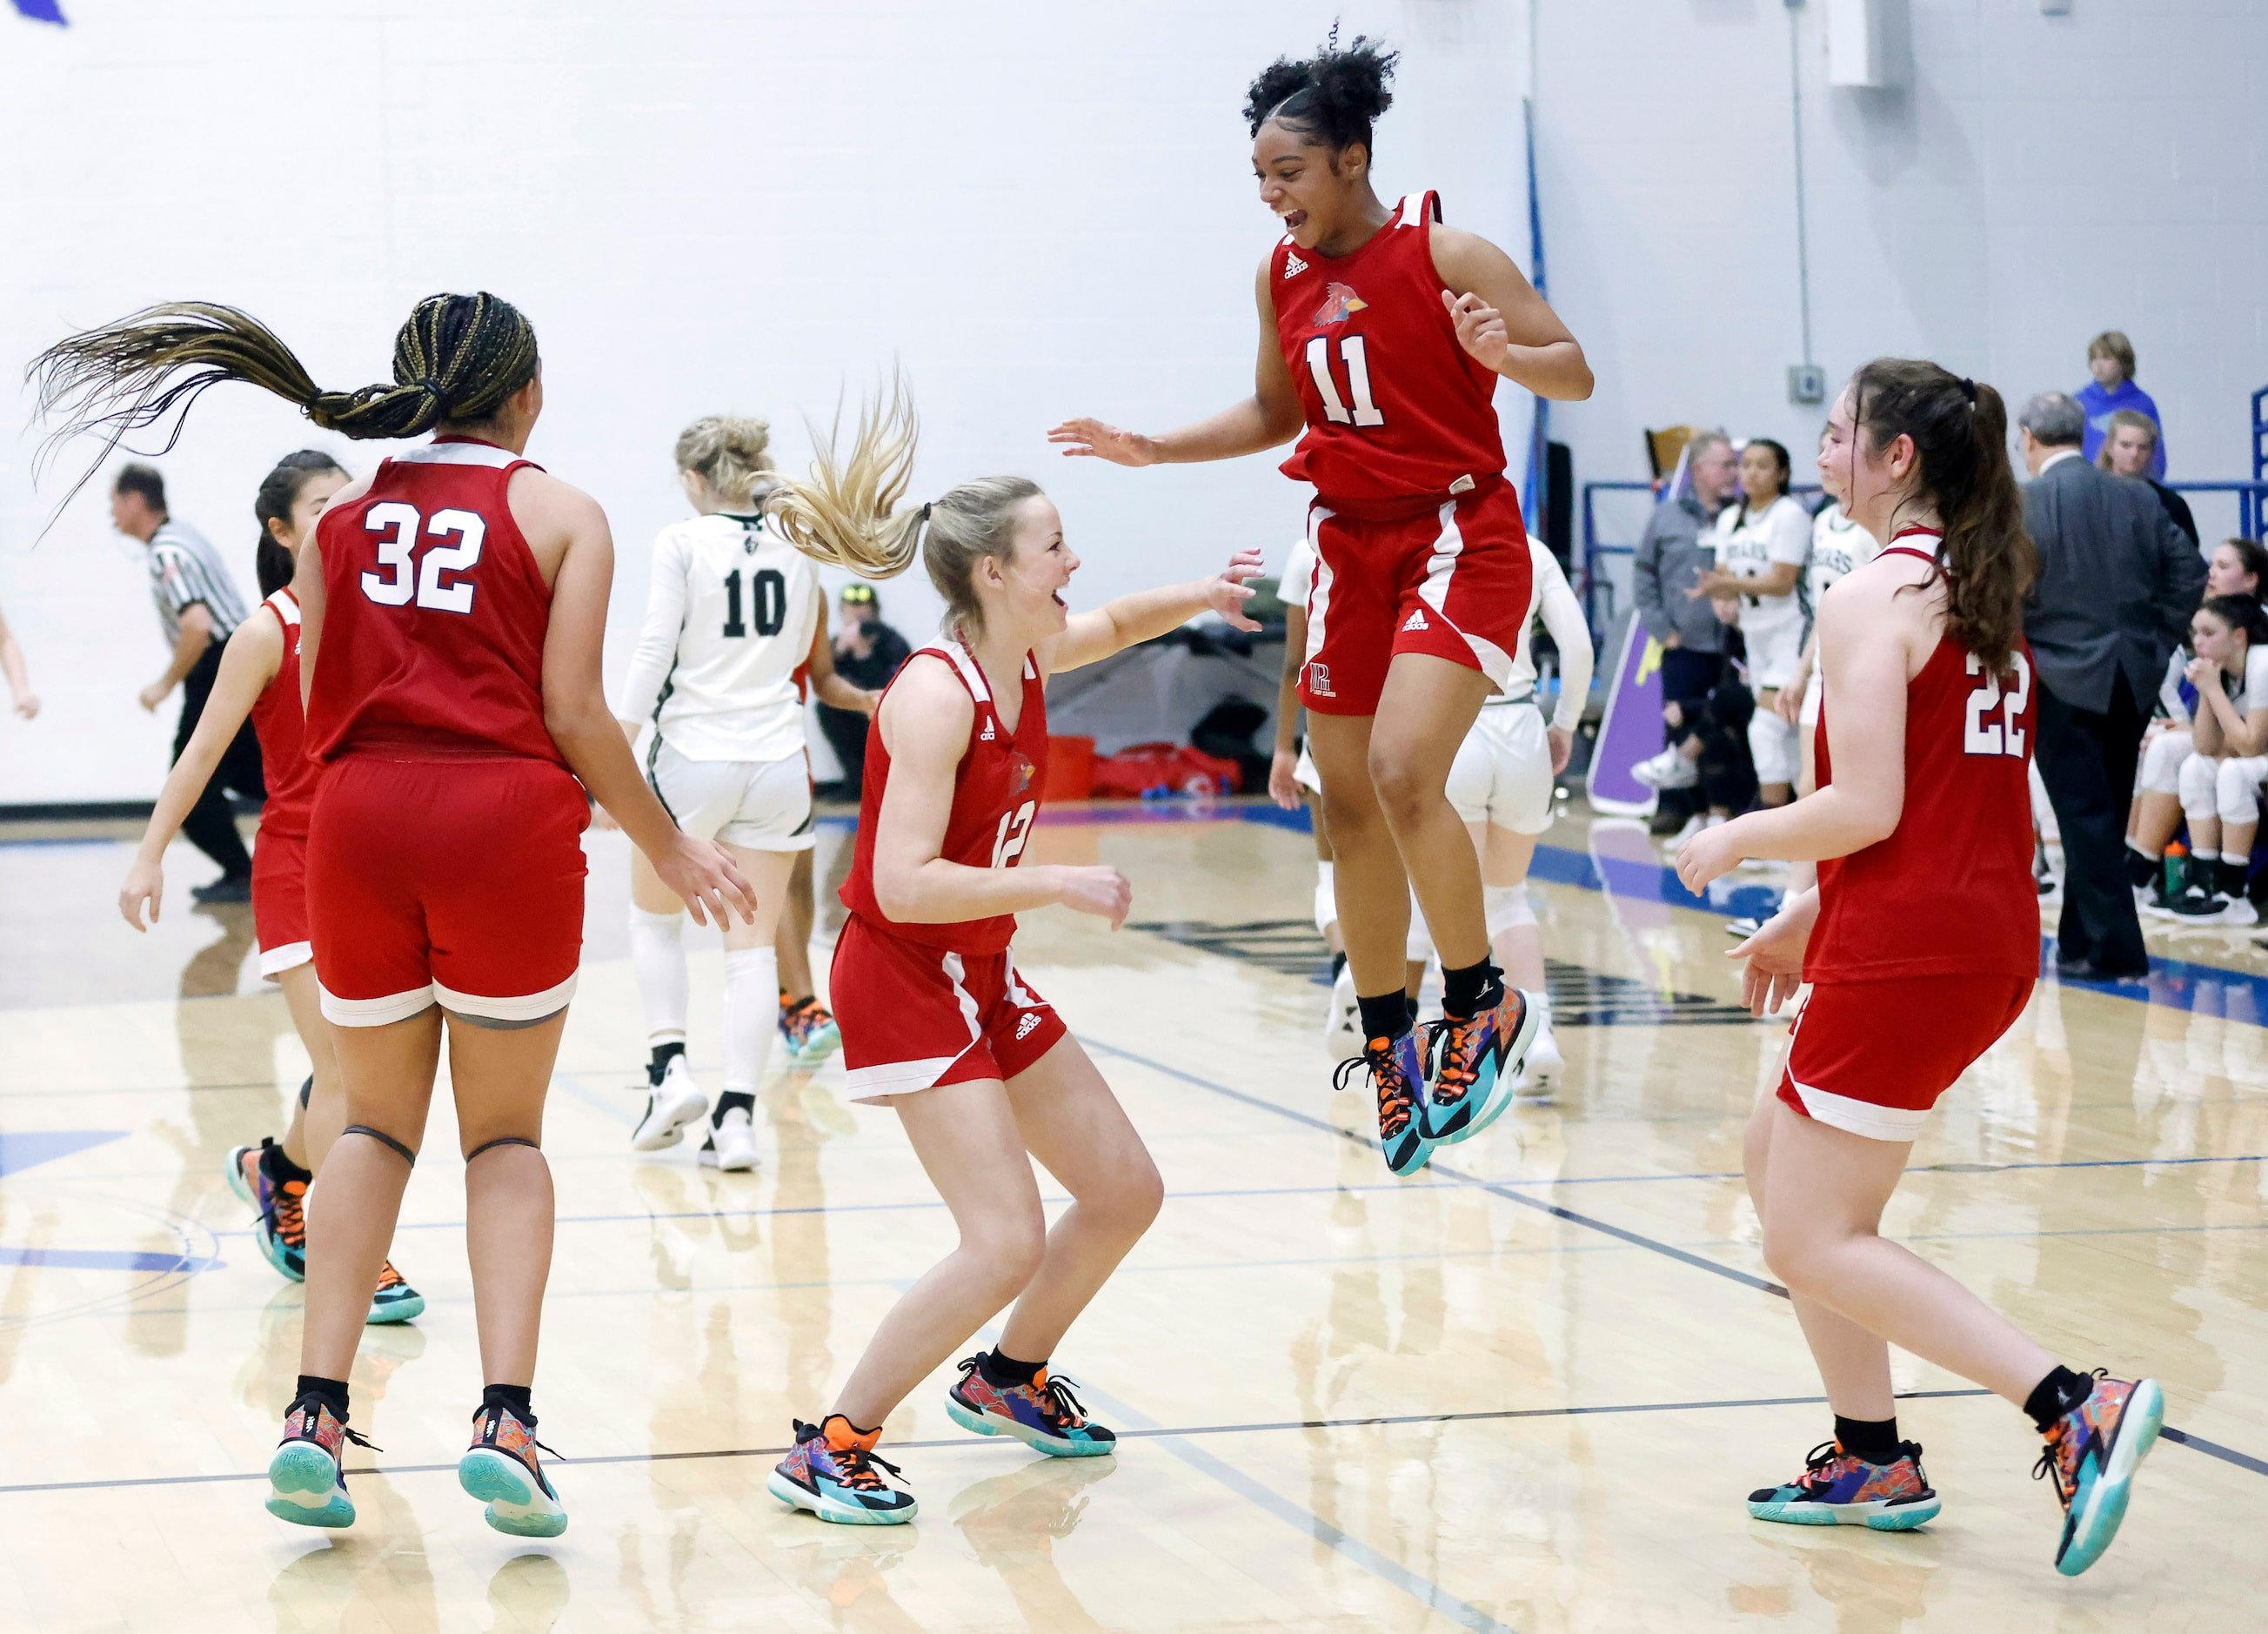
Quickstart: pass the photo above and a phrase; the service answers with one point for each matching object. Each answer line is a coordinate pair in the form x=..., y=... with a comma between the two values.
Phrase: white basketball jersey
x=730, y=619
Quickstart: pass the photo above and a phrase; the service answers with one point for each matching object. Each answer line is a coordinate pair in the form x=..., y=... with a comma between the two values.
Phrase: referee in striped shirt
x=200, y=607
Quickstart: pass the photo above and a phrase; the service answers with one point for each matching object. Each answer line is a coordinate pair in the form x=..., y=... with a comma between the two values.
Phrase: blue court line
x=104, y=1260
x=2212, y=1448
x=21, y=1152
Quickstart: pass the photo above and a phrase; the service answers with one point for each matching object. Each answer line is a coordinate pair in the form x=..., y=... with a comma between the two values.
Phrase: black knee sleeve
x=380, y=1136
x=501, y=1140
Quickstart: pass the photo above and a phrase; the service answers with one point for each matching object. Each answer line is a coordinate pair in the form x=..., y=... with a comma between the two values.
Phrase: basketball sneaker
x=1840, y=1488
x=1042, y=1413
x=732, y=1143
x=282, y=1229
x=1476, y=1062
x=306, y=1484
x=2093, y=1452
x=1669, y=769
x=393, y=1300
x=1398, y=1073
x=808, y=1028
x=1539, y=1077
x=501, y=1468
x=247, y=1178
x=832, y=1472
x=670, y=1105
x=1342, y=1021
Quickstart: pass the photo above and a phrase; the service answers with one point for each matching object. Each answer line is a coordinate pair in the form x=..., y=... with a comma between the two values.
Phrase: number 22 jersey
x=729, y=619
x=1950, y=892
x=434, y=615
x=995, y=795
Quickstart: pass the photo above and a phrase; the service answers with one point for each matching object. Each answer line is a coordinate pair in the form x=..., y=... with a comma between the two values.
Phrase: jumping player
x=451, y=614
x=938, y=1021
x=734, y=616
x=1501, y=786
x=259, y=676
x=1921, y=941
x=1383, y=336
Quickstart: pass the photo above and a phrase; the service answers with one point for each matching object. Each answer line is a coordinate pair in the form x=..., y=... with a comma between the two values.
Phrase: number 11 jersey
x=729, y=622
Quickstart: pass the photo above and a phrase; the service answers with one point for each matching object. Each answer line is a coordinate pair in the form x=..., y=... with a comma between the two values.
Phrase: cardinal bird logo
x=1024, y=772
x=1340, y=303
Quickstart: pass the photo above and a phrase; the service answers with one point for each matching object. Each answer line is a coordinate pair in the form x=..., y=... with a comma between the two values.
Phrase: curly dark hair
x=1332, y=98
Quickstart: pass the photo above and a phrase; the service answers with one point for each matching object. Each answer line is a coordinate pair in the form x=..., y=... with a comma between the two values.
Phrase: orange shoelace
x=388, y=1277
x=1395, y=1097
x=290, y=1221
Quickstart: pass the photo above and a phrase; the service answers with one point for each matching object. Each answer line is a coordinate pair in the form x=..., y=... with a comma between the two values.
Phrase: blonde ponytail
x=842, y=514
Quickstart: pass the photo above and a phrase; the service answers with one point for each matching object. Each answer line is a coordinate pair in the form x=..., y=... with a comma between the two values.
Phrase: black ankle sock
x=307, y=1091
x=1411, y=1004
x=2143, y=872
x=1338, y=963
x=1001, y=1370
x=1467, y=992
x=727, y=1100
x=2055, y=1395
x=2229, y=876
x=331, y=1392
x=278, y=1167
x=663, y=1055
x=1387, y=1016
x=1873, y=1439
x=516, y=1396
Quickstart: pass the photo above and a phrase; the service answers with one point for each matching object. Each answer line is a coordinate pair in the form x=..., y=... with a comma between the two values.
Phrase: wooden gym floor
x=1528, y=1390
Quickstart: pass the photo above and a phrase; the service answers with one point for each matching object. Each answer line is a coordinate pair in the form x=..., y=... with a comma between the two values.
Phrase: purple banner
x=1632, y=730
x=41, y=11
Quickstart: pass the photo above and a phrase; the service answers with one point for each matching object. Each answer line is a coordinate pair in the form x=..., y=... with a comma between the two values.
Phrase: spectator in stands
x=2217, y=784
x=2111, y=360
x=19, y=680
x=2239, y=568
x=1761, y=545
x=2130, y=449
x=199, y=607
x=1672, y=555
x=2118, y=583
x=867, y=653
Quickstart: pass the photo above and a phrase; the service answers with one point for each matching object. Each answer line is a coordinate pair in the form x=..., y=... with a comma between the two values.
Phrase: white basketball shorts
x=761, y=805
x=1502, y=774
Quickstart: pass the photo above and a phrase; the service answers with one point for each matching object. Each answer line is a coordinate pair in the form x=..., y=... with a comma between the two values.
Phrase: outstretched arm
x=1268, y=418
x=1119, y=624
x=248, y=663
x=1283, y=767
x=1503, y=322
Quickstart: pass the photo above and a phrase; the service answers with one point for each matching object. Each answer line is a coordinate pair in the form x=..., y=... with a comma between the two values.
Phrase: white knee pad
x=1327, y=898
x=1507, y=908
x=2198, y=782
x=2236, y=790
x=2162, y=763
x=1419, y=945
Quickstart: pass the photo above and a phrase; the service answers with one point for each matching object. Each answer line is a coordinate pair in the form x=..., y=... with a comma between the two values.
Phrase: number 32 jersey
x=729, y=621
x=1395, y=406
x=995, y=795
x=434, y=615
x=1950, y=892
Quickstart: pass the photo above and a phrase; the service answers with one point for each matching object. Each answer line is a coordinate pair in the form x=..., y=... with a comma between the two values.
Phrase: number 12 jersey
x=729, y=622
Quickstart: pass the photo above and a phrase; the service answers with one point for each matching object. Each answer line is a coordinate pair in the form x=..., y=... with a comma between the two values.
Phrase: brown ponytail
x=1959, y=430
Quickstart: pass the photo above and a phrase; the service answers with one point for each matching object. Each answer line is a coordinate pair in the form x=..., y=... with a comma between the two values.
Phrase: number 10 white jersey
x=728, y=622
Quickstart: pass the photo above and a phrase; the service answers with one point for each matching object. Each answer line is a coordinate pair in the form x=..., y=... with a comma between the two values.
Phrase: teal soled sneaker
x=1042, y=1413
x=2093, y=1452
x=833, y=1472
x=1840, y=1488
x=306, y=1485
x=1398, y=1073
x=1477, y=1066
x=501, y=1469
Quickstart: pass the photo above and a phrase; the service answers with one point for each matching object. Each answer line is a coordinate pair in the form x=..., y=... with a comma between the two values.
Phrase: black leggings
x=210, y=825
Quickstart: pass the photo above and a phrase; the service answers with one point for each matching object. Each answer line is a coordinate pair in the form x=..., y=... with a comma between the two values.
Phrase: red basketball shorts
x=914, y=1017
x=1451, y=579
x=456, y=882
x=279, y=901
x=1872, y=1057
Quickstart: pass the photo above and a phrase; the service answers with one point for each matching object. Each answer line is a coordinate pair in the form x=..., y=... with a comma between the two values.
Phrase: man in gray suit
x=2119, y=582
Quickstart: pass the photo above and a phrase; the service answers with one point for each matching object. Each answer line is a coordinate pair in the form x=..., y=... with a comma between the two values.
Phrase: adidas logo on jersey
x=1416, y=620
x=1294, y=266
x=1024, y=1028
x=988, y=734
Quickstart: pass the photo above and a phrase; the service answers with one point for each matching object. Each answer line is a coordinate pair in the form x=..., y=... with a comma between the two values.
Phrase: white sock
x=1327, y=900
x=751, y=1014
x=658, y=956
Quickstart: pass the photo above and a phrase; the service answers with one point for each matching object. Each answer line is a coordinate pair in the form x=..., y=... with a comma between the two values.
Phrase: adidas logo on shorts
x=1024, y=1028
x=1416, y=620
x=1294, y=266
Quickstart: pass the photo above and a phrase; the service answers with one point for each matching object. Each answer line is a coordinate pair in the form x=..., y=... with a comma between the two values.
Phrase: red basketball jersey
x=434, y=613
x=281, y=724
x=995, y=794
x=1951, y=891
x=1395, y=406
